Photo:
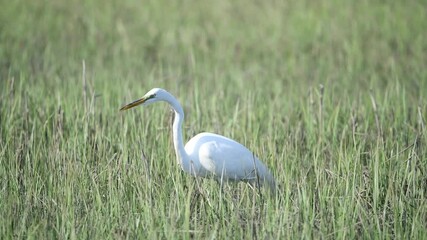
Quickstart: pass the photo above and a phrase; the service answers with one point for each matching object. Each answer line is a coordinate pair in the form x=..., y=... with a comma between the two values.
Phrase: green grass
x=331, y=95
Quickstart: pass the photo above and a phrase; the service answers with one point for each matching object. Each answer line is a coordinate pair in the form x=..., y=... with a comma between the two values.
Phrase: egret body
x=209, y=154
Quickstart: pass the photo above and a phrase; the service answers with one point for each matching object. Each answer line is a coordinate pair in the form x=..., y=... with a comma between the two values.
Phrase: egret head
x=154, y=95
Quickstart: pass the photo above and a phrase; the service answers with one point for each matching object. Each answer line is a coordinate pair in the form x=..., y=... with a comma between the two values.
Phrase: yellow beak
x=134, y=103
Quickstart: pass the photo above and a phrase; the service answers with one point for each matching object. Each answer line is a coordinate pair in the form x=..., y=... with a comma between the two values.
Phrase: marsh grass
x=330, y=95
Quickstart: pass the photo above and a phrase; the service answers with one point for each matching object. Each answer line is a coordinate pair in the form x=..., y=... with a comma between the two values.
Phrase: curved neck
x=181, y=154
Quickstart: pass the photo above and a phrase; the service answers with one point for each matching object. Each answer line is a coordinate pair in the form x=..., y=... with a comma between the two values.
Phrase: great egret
x=209, y=154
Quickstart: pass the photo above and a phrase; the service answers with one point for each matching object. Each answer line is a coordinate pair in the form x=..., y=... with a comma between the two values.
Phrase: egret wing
x=225, y=158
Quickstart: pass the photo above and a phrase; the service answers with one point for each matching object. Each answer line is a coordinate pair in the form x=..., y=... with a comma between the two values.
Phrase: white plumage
x=209, y=154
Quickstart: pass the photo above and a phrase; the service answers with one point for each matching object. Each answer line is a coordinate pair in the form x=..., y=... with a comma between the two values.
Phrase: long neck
x=181, y=154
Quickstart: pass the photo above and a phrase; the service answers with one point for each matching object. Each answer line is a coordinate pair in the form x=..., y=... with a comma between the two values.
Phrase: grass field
x=331, y=95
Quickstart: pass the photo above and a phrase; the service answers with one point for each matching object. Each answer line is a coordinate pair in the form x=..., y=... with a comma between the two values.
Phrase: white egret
x=208, y=154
